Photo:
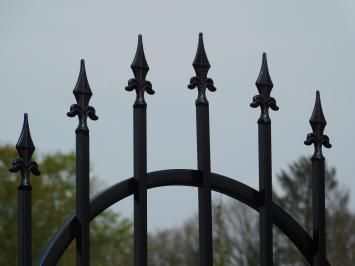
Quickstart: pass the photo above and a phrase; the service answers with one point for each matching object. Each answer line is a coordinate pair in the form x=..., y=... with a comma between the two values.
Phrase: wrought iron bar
x=139, y=83
x=264, y=85
x=25, y=165
x=202, y=82
x=317, y=138
x=82, y=93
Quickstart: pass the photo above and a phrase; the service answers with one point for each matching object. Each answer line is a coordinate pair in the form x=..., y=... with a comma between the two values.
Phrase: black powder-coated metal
x=82, y=93
x=201, y=82
x=264, y=85
x=25, y=165
x=317, y=138
x=178, y=177
x=77, y=225
x=25, y=226
x=140, y=85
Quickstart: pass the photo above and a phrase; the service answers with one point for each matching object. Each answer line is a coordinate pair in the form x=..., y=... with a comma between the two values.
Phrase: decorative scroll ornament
x=318, y=124
x=264, y=100
x=200, y=81
x=140, y=69
x=25, y=149
x=82, y=93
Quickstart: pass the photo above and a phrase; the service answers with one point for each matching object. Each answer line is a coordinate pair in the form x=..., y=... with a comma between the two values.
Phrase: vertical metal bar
x=318, y=192
x=25, y=225
x=82, y=198
x=264, y=85
x=25, y=149
x=82, y=109
x=204, y=191
x=201, y=66
x=317, y=138
x=139, y=83
x=265, y=188
x=140, y=197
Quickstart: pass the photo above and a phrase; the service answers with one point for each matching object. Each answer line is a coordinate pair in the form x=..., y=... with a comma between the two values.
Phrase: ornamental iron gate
x=76, y=226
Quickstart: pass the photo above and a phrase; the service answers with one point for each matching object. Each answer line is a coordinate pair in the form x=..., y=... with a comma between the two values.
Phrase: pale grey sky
x=310, y=46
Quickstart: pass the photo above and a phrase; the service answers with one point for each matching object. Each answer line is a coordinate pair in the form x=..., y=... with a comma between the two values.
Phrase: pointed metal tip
x=139, y=61
x=140, y=49
x=317, y=118
x=140, y=42
x=82, y=68
x=201, y=45
x=82, y=86
x=264, y=79
x=201, y=62
x=264, y=60
x=25, y=141
x=25, y=118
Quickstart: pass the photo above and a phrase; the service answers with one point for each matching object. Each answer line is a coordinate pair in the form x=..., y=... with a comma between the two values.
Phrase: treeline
x=235, y=226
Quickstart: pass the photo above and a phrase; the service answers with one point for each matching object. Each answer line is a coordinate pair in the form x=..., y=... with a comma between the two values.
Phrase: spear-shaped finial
x=201, y=66
x=264, y=100
x=201, y=63
x=25, y=149
x=24, y=146
x=139, y=65
x=82, y=89
x=317, y=119
x=140, y=69
x=82, y=93
x=318, y=124
x=264, y=79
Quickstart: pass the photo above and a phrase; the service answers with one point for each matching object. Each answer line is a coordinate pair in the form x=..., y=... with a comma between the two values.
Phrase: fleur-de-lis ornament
x=201, y=81
x=264, y=100
x=140, y=69
x=24, y=164
x=318, y=124
x=82, y=93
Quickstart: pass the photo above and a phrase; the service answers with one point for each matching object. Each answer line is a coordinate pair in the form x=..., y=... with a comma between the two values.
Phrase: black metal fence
x=77, y=225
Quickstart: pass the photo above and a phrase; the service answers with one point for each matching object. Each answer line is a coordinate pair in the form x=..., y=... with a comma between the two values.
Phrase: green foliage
x=53, y=199
x=8, y=208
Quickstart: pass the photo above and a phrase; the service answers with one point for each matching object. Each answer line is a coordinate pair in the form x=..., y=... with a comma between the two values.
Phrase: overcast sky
x=310, y=45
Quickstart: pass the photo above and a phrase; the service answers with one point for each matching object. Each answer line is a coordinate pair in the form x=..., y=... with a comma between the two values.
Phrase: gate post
x=264, y=85
x=139, y=83
x=201, y=66
x=25, y=149
x=82, y=93
x=317, y=138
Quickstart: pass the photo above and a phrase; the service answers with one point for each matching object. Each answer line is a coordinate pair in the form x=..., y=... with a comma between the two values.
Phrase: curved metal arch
x=175, y=177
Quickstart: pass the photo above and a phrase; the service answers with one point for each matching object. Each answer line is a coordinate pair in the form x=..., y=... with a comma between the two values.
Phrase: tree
x=177, y=246
x=53, y=199
x=236, y=226
x=296, y=198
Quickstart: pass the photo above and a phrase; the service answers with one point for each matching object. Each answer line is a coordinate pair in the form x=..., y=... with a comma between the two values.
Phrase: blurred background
x=309, y=47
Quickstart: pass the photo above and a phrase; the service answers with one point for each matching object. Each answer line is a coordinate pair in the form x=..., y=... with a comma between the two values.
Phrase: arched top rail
x=177, y=177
